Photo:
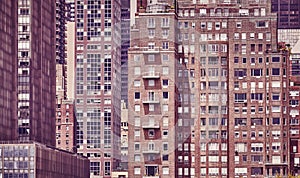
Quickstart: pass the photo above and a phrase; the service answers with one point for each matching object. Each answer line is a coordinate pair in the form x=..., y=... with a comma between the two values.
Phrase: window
x=137, y=108
x=261, y=24
x=236, y=47
x=276, y=121
x=275, y=71
x=256, y=72
x=165, y=70
x=213, y=121
x=137, y=83
x=137, y=95
x=236, y=59
x=244, y=48
x=165, y=82
x=165, y=146
x=151, y=58
x=240, y=97
x=137, y=170
x=275, y=96
x=240, y=121
x=165, y=57
x=256, y=96
x=165, y=22
x=151, y=83
x=165, y=157
x=165, y=107
x=238, y=24
x=137, y=158
x=137, y=121
x=137, y=133
x=151, y=146
x=151, y=33
x=137, y=71
x=151, y=23
x=165, y=171
x=165, y=45
x=165, y=95
x=137, y=147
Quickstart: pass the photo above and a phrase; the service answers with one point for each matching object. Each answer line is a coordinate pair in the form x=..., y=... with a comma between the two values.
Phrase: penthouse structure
x=207, y=90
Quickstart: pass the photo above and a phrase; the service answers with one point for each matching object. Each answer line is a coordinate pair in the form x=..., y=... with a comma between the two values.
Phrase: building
x=98, y=85
x=288, y=13
x=66, y=126
x=8, y=68
x=294, y=109
x=207, y=92
x=28, y=119
x=65, y=77
x=125, y=40
x=36, y=71
x=32, y=159
x=153, y=92
x=124, y=137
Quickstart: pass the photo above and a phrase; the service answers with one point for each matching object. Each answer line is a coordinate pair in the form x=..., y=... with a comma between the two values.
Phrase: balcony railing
x=150, y=126
x=151, y=75
x=151, y=151
x=150, y=100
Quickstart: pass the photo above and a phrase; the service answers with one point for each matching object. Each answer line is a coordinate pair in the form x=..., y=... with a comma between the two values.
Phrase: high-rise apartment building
x=8, y=68
x=294, y=109
x=125, y=40
x=207, y=90
x=36, y=71
x=28, y=94
x=98, y=85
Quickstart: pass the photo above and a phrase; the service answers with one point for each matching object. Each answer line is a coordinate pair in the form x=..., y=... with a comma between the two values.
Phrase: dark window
x=276, y=71
x=165, y=82
x=165, y=95
x=236, y=60
x=137, y=95
x=276, y=121
x=275, y=59
x=165, y=157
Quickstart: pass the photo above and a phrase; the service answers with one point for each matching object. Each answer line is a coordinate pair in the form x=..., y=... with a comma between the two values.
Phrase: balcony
x=150, y=126
x=151, y=151
x=151, y=75
x=151, y=100
x=150, y=176
x=154, y=50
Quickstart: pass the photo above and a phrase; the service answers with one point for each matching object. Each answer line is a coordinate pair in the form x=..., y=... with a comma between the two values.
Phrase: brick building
x=294, y=109
x=207, y=90
x=288, y=13
x=98, y=83
x=66, y=126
